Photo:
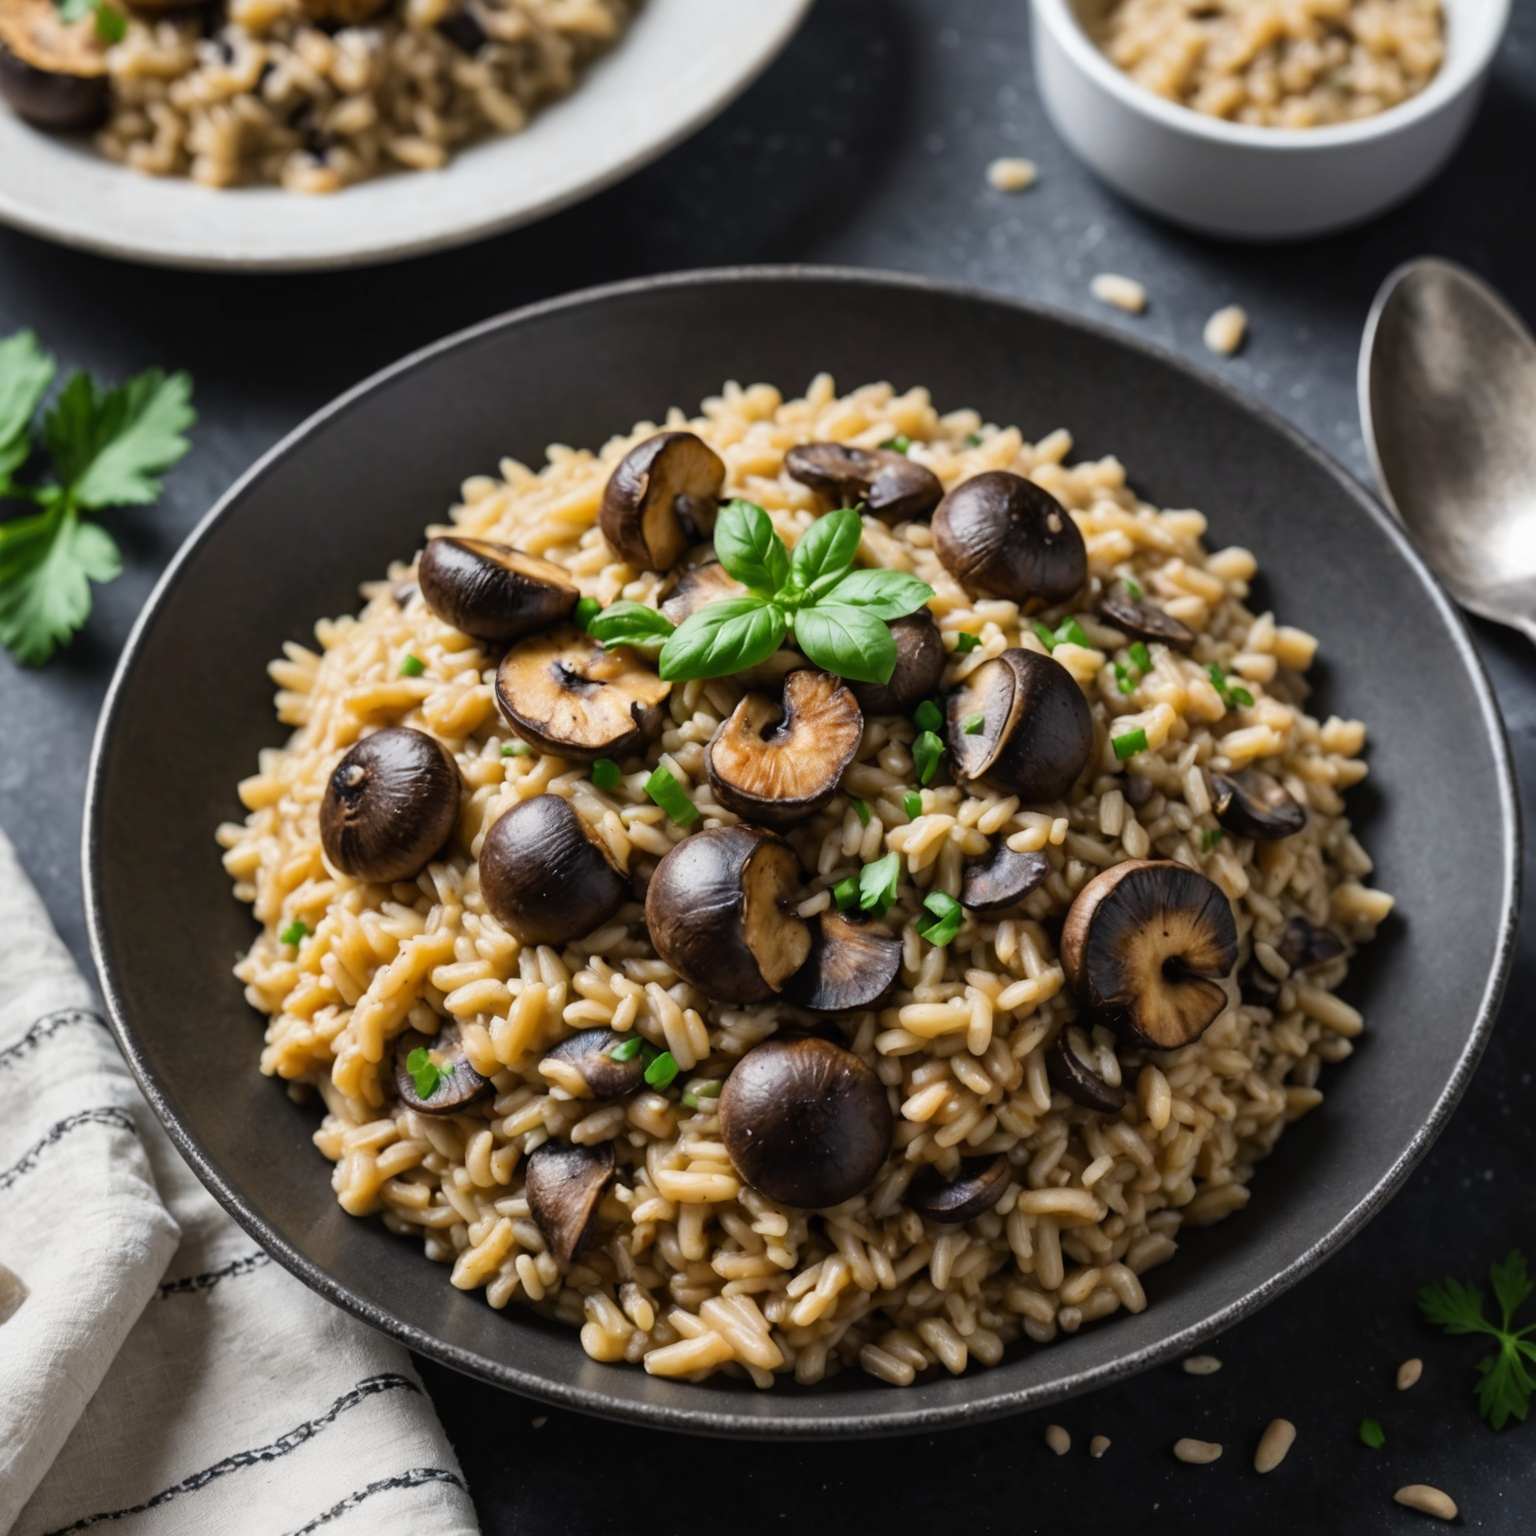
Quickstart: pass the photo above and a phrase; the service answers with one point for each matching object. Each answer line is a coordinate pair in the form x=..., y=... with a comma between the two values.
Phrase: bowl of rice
x=1261, y=120
x=547, y=1133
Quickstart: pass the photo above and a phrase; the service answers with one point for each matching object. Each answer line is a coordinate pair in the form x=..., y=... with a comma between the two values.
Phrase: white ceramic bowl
x=1256, y=183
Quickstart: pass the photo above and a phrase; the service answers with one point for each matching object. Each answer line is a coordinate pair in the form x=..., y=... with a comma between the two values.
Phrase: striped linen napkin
x=158, y=1373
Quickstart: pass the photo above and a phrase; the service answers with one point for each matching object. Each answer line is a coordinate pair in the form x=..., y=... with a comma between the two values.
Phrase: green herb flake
x=1218, y=678
x=1129, y=744
x=878, y=883
x=294, y=933
x=861, y=810
x=1372, y=1434
x=901, y=443
x=845, y=894
x=927, y=753
x=671, y=797
x=948, y=917
x=1507, y=1378
x=1209, y=838
x=516, y=749
x=111, y=24
x=425, y=1073
x=412, y=666
x=627, y=1049
x=660, y=1072
x=965, y=642
x=586, y=609
x=928, y=717
x=1047, y=636
x=973, y=439
x=1240, y=697
x=912, y=804
x=972, y=724
x=1123, y=679
x=1071, y=631
x=605, y=774
x=1132, y=588
x=709, y=1088
x=1141, y=657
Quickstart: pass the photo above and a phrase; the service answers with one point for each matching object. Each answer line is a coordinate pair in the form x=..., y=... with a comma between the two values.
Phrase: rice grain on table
x=1198, y=1453
x=1058, y=1439
x=1226, y=329
x=1274, y=1445
x=1201, y=1365
x=1009, y=174
x=1408, y=1373
x=1098, y=1446
x=1427, y=1500
x=693, y=1271
x=1121, y=292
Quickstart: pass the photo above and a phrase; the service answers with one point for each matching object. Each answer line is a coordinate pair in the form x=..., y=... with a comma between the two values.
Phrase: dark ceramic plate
x=191, y=706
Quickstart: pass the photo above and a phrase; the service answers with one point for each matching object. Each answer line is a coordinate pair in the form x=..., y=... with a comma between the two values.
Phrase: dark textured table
x=867, y=143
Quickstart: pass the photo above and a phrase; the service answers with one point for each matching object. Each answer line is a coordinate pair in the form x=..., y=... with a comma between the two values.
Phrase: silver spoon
x=1448, y=405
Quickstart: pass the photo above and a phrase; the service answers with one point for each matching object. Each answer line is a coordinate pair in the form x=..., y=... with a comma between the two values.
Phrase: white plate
x=676, y=67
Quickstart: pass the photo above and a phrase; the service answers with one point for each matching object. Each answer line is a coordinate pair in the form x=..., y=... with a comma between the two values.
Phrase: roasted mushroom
x=455, y=1085
x=805, y=1122
x=999, y=880
x=1304, y=946
x=853, y=964
x=390, y=805
x=52, y=72
x=492, y=591
x=695, y=587
x=1256, y=804
x=719, y=913
x=891, y=486
x=1002, y=534
x=465, y=28
x=563, y=692
x=1020, y=722
x=976, y=1188
x=776, y=763
x=1146, y=946
x=1145, y=621
x=583, y=1064
x=661, y=498
x=564, y=1185
x=1067, y=1067
x=545, y=877
x=920, y=660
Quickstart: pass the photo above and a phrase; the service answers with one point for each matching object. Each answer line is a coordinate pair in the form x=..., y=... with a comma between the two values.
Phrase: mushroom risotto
x=777, y=938
x=310, y=94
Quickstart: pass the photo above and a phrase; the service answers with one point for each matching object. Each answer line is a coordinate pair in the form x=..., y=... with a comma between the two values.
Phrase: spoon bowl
x=1447, y=398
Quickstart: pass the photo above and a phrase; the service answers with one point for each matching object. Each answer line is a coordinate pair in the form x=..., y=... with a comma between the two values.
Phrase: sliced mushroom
x=695, y=587
x=492, y=591
x=1002, y=534
x=1067, y=1067
x=719, y=912
x=458, y=1085
x=390, y=805
x=853, y=964
x=565, y=1186
x=976, y=1188
x=587, y=1056
x=465, y=28
x=1035, y=733
x=891, y=486
x=805, y=1122
x=1256, y=804
x=661, y=498
x=1138, y=790
x=920, y=661
x=1305, y=947
x=1145, y=621
x=545, y=877
x=563, y=692
x=52, y=72
x=776, y=763
x=1256, y=986
x=999, y=880
x=1146, y=946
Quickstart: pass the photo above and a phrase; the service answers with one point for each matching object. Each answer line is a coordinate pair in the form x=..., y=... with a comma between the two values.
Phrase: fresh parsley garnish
x=840, y=617
x=516, y=749
x=948, y=916
x=412, y=666
x=425, y=1073
x=928, y=716
x=1070, y=631
x=1506, y=1378
x=927, y=752
x=1232, y=694
x=878, y=883
x=111, y=24
x=898, y=444
x=1132, y=588
x=861, y=810
x=845, y=894
x=661, y=1069
x=965, y=641
x=671, y=797
x=605, y=774
x=108, y=448
x=1141, y=657
x=294, y=933
x=1129, y=743
x=972, y=724
x=626, y=1050
x=1372, y=1434
x=1209, y=838
x=912, y=804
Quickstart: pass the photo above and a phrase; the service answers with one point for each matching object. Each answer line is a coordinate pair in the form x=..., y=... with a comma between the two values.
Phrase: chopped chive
x=516, y=749
x=587, y=609
x=1372, y=1434
x=1218, y=677
x=605, y=773
x=846, y=893
x=661, y=1070
x=1070, y=630
x=1047, y=635
x=1133, y=588
x=1209, y=838
x=878, y=883
x=1141, y=657
x=690, y=1100
x=927, y=716
x=709, y=1089
x=972, y=724
x=1241, y=697
x=973, y=439
x=425, y=1073
x=626, y=1050
x=912, y=804
x=412, y=666
x=861, y=810
x=965, y=641
x=1126, y=683
x=294, y=932
x=898, y=444
x=1129, y=744
x=948, y=918
x=926, y=753
x=671, y=797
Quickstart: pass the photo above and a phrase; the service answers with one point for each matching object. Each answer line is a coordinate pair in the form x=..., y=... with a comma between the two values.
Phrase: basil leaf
x=723, y=638
x=850, y=642
x=826, y=548
x=749, y=549
x=633, y=624
x=886, y=594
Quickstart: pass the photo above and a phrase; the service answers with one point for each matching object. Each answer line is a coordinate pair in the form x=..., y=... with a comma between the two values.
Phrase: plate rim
x=707, y=1419
x=223, y=257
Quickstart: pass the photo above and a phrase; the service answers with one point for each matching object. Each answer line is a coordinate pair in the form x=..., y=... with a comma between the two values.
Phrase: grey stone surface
x=867, y=143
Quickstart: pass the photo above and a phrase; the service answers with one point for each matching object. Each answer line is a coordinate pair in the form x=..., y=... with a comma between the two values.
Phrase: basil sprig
x=838, y=616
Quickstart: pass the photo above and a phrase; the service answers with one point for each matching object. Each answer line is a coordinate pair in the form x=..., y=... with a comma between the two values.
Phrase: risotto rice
x=692, y=1271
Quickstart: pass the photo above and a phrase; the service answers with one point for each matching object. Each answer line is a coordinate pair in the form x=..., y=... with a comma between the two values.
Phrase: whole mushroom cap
x=1000, y=534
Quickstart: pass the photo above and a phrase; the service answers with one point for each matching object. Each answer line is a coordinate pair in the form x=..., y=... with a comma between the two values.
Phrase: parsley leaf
x=878, y=883
x=26, y=371
x=1506, y=1381
x=109, y=446
x=1372, y=1434
x=425, y=1073
x=47, y=563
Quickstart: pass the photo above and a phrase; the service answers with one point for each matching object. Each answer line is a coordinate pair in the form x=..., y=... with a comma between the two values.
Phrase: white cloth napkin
x=158, y=1372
